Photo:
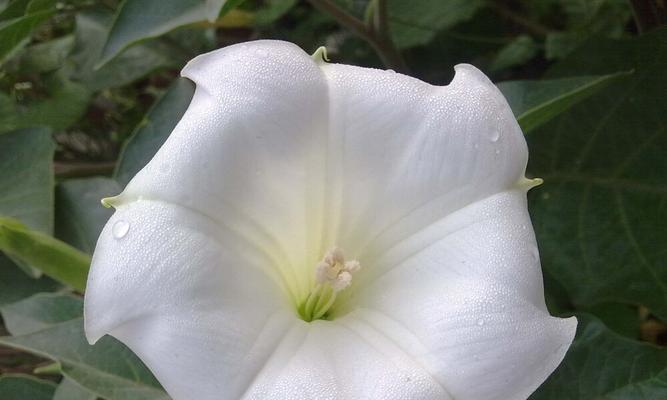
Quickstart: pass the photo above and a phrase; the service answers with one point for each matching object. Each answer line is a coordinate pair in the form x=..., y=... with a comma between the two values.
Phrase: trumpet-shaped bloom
x=323, y=231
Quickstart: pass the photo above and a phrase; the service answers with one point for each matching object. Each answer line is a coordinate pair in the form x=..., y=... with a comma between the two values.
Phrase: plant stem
x=648, y=14
x=376, y=34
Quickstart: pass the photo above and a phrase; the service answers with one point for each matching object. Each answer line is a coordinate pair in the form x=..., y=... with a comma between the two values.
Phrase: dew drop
x=497, y=151
x=120, y=228
x=262, y=52
x=494, y=135
x=480, y=322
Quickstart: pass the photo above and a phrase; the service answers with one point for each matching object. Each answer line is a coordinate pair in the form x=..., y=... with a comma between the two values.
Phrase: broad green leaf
x=92, y=28
x=80, y=216
x=139, y=20
x=156, y=126
x=54, y=258
x=13, y=9
x=15, y=285
x=536, y=102
x=272, y=11
x=415, y=23
x=40, y=312
x=518, y=51
x=25, y=387
x=600, y=215
x=14, y=33
x=70, y=390
x=584, y=19
x=622, y=319
x=26, y=181
x=602, y=365
x=42, y=57
x=65, y=103
x=107, y=369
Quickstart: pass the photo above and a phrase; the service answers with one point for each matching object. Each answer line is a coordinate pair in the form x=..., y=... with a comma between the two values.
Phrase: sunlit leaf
x=54, y=258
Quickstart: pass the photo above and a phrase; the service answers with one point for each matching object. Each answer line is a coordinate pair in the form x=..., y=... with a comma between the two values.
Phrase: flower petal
x=248, y=151
x=468, y=289
x=403, y=153
x=342, y=360
x=186, y=296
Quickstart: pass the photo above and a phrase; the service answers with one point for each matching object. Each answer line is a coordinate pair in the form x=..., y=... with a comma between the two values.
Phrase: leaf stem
x=376, y=33
x=648, y=14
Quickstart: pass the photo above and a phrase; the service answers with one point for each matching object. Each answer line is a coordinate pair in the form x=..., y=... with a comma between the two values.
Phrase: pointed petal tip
x=320, y=55
x=467, y=72
x=526, y=184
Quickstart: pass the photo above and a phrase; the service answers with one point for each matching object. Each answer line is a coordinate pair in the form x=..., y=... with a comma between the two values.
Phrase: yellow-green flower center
x=332, y=275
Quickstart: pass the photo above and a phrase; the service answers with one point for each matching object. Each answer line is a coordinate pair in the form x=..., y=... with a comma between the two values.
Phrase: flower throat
x=332, y=275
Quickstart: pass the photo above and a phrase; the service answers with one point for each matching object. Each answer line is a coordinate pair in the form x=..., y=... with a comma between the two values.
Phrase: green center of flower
x=332, y=275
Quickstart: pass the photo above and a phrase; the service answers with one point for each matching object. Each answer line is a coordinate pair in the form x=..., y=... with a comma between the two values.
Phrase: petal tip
x=526, y=184
x=466, y=72
x=320, y=55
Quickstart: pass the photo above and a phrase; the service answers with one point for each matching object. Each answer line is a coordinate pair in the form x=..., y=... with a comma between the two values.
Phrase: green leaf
x=272, y=11
x=70, y=390
x=54, y=258
x=14, y=33
x=536, y=102
x=139, y=20
x=108, y=369
x=40, y=311
x=153, y=130
x=415, y=23
x=602, y=365
x=65, y=103
x=80, y=216
x=42, y=57
x=25, y=387
x=92, y=28
x=519, y=51
x=14, y=9
x=600, y=215
x=16, y=285
x=26, y=182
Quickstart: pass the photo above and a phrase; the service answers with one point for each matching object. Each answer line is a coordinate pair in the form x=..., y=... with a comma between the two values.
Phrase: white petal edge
x=187, y=297
x=465, y=298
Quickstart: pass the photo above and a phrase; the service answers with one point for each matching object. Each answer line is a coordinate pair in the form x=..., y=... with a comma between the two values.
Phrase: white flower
x=389, y=213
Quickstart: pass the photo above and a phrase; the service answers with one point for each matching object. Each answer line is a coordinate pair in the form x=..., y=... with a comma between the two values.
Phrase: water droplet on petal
x=480, y=322
x=494, y=135
x=262, y=52
x=497, y=151
x=120, y=229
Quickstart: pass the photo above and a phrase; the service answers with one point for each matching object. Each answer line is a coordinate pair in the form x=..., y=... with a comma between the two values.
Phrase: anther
x=332, y=275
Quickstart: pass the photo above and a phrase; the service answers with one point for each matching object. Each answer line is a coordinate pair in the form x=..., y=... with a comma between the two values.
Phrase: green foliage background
x=90, y=90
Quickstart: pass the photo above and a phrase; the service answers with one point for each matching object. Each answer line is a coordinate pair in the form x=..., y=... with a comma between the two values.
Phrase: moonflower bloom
x=323, y=231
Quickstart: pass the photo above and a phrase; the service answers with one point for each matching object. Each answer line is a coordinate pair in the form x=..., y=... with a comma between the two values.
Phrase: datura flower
x=324, y=231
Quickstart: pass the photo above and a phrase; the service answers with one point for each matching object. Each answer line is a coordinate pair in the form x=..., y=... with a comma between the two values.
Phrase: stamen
x=332, y=275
